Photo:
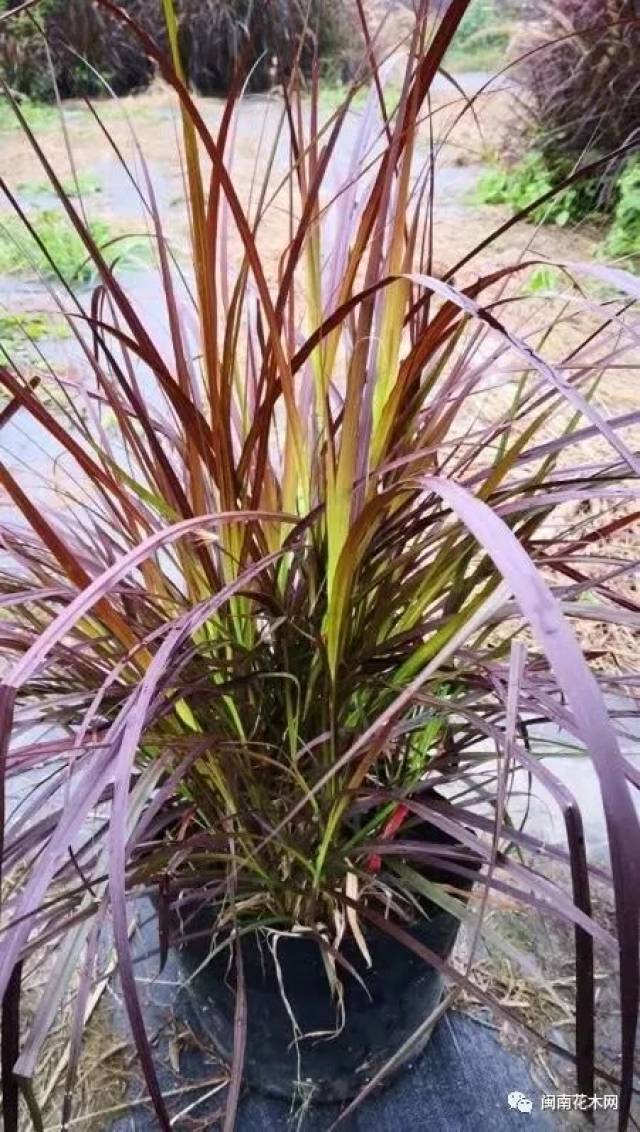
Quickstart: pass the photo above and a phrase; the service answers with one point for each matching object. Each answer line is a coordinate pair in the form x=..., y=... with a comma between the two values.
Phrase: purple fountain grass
x=285, y=589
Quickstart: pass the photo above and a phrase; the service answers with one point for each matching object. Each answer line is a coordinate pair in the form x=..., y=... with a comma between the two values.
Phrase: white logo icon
x=520, y=1102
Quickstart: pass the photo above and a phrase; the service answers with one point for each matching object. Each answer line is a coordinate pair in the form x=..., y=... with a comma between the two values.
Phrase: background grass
x=18, y=329
x=85, y=184
x=483, y=37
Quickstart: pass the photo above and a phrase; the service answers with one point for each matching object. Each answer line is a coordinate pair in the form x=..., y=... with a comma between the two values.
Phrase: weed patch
x=58, y=243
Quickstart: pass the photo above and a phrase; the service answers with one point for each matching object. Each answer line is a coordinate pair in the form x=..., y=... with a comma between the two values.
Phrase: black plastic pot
x=401, y=993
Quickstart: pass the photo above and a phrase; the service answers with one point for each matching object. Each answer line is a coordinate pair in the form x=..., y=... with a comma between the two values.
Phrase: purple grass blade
x=592, y=725
x=10, y=1048
x=469, y=306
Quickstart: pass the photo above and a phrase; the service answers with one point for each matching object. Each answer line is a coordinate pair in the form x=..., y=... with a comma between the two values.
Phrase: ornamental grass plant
x=579, y=75
x=216, y=38
x=308, y=583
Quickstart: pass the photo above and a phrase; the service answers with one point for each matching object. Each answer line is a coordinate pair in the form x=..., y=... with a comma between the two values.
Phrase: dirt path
x=464, y=139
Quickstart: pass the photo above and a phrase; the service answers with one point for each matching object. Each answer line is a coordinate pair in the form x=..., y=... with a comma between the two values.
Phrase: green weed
x=21, y=329
x=37, y=115
x=86, y=184
x=61, y=243
x=543, y=280
x=520, y=185
x=624, y=235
